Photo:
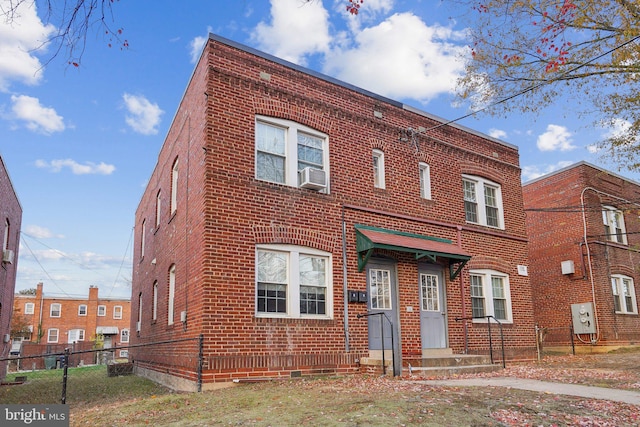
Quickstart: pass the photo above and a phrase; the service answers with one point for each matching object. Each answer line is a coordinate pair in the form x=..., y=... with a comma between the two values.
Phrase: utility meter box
x=584, y=321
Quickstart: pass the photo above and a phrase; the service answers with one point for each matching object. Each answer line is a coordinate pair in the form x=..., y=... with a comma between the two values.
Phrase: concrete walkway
x=617, y=395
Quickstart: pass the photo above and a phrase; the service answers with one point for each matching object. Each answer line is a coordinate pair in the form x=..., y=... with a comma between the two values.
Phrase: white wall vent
x=7, y=256
x=312, y=178
x=568, y=267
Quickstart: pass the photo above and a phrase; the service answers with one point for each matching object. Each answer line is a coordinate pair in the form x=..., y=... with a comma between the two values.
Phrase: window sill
x=493, y=321
x=287, y=317
x=626, y=313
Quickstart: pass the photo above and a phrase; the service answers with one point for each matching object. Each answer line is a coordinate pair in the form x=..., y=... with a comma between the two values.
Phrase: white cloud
x=143, y=117
x=533, y=172
x=497, y=133
x=20, y=40
x=296, y=30
x=402, y=57
x=38, y=118
x=556, y=138
x=76, y=168
x=196, y=45
x=41, y=232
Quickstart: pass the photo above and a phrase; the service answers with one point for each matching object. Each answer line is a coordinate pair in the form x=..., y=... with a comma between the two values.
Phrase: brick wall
x=224, y=212
x=11, y=210
x=555, y=226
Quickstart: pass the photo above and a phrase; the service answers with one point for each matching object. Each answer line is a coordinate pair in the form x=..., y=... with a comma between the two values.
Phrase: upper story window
x=143, y=233
x=102, y=310
x=425, y=181
x=293, y=281
x=174, y=187
x=124, y=335
x=55, y=310
x=283, y=148
x=378, y=169
x=482, y=201
x=158, y=208
x=614, y=229
x=29, y=308
x=117, y=312
x=154, y=309
x=7, y=229
x=52, y=335
x=82, y=310
x=490, y=295
x=624, y=294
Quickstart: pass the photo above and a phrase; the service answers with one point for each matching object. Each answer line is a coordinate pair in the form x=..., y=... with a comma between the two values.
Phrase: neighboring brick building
x=583, y=228
x=271, y=178
x=11, y=221
x=57, y=321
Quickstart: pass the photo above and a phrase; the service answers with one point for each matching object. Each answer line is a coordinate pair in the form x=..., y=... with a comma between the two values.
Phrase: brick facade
x=99, y=322
x=10, y=224
x=565, y=223
x=224, y=214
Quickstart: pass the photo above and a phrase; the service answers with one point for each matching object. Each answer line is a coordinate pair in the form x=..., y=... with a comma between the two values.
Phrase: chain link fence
x=80, y=374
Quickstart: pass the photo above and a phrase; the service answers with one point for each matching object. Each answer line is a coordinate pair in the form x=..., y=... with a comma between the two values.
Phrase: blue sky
x=81, y=142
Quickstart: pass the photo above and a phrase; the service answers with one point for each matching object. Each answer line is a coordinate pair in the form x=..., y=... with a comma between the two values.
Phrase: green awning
x=370, y=238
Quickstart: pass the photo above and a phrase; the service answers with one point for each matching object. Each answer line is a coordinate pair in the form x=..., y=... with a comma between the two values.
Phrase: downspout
x=345, y=292
x=463, y=306
x=589, y=265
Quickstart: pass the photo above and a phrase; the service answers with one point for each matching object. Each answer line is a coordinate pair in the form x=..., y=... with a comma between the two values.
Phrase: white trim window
x=293, y=281
x=425, y=180
x=52, y=335
x=82, y=310
x=378, y=168
x=284, y=147
x=380, y=284
x=29, y=308
x=75, y=335
x=55, y=310
x=482, y=202
x=624, y=294
x=124, y=336
x=102, y=310
x=117, y=312
x=143, y=237
x=172, y=295
x=490, y=295
x=614, y=228
x=158, y=207
x=174, y=187
x=154, y=313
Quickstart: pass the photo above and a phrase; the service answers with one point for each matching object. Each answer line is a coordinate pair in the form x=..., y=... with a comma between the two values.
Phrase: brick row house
x=56, y=322
x=11, y=221
x=584, y=248
x=302, y=225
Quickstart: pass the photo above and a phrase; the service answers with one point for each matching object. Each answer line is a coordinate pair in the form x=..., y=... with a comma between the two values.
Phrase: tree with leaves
x=526, y=54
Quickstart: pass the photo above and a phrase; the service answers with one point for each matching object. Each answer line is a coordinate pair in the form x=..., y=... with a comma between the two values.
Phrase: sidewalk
x=617, y=395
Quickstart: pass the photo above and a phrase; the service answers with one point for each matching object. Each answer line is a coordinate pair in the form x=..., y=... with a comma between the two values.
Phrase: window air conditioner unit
x=314, y=179
x=7, y=256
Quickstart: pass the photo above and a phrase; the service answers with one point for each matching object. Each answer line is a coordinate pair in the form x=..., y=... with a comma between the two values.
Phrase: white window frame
x=117, y=312
x=29, y=308
x=174, y=187
x=75, y=335
x=290, y=154
x=293, y=254
x=50, y=333
x=143, y=237
x=124, y=354
x=102, y=310
x=486, y=276
x=124, y=336
x=480, y=186
x=378, y=169
x=172, y=295
x=425, y=180
x=615, y=229
x=5, y=238
x=59, y=309
x=154, y=315
x=158, y=207
x=82, y=312
x=621, y=305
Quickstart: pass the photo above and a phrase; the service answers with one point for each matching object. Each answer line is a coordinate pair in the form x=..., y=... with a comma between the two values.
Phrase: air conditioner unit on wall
x=7, y=256
x=312, y=178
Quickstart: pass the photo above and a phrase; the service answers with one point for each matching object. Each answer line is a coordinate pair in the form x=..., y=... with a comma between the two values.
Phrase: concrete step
x=450, y=371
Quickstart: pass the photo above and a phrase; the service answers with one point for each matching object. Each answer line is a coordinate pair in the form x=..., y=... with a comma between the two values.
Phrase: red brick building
x=583, y=228
x=10, y=221
x=57, y=321
x=285, y=205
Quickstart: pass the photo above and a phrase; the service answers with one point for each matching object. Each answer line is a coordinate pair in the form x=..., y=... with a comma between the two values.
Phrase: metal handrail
x=393, y=356
x=489, y=317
